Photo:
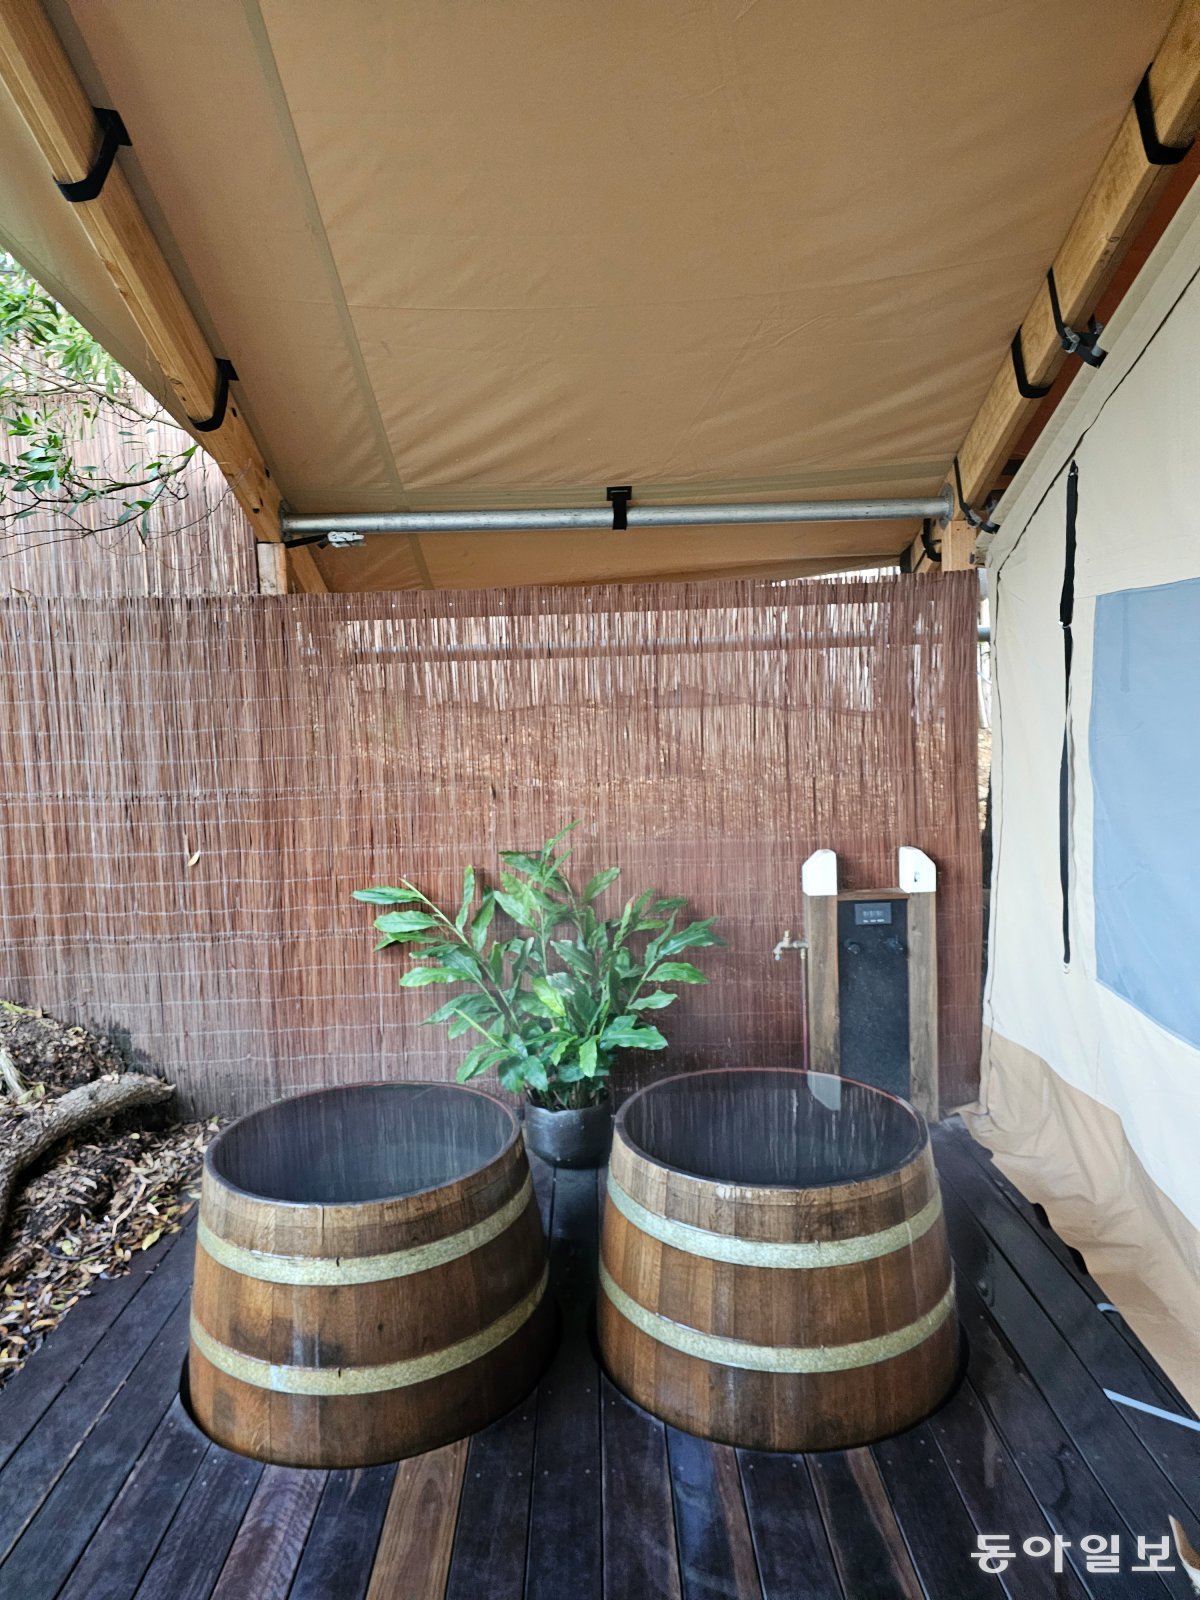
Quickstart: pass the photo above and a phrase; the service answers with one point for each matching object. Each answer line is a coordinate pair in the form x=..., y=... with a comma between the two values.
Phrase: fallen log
x=57, y=1119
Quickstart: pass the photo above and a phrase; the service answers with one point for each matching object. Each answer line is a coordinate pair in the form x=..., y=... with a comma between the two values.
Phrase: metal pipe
x=939, y=506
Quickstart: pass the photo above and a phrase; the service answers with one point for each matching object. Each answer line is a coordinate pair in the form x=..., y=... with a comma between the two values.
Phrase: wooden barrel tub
x=774, y=1270
x=370, y=1276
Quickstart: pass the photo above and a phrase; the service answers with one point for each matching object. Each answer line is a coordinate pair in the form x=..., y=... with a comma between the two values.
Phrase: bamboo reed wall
x=191, y=788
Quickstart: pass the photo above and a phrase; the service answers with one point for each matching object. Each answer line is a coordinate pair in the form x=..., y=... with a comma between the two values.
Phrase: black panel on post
x=873, y=992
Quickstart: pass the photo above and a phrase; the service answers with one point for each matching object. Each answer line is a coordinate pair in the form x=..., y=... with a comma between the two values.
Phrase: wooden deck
x=107, y=1489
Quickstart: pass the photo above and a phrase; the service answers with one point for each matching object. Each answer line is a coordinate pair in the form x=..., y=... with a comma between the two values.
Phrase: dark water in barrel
x=766, y=1127
x=369, y=1142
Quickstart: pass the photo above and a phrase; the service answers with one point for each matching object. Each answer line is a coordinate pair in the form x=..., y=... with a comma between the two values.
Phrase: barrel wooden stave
x=285, y=1331
x=772, y=1411
x=364, y=1430
x=808, y=1308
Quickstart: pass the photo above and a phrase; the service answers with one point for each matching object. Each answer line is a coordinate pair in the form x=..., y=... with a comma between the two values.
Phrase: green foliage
x=558, y=992
x=56, y=383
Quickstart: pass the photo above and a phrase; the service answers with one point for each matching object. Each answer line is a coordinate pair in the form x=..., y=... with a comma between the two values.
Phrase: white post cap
x=818, y=875
x=918, y=875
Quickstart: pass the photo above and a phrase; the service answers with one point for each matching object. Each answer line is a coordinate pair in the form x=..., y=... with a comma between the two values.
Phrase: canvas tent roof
x=506, y=256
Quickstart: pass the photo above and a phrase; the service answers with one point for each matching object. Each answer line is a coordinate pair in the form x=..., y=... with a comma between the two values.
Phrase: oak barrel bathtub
x=370, y=1276
x=774, y=1269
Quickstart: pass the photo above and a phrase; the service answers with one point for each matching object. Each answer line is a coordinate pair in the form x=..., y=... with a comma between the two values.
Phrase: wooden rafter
x=36, y=71
x=1119, y=200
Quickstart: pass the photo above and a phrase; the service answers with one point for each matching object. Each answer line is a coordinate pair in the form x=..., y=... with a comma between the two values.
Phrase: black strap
x=112, y=137
x=932, y=551
x=1157, y=154
x=225, y=376
x=620, y=498
x=1066, y=615
x=1074, y=343
x=972, y=517
x=1029, y=391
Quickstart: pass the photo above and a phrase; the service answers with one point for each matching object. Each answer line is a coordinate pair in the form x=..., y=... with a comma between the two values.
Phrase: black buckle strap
x=225, y=376
x=1073, y=342
x=932, y=551
x=1157, y=154
x=112, y=137
x=972, y=517
x=1028, y=391
x=620, y=497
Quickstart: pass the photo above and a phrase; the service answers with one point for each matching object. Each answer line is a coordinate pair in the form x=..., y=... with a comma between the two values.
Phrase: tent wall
x=191, y=788
x=1091, y=1079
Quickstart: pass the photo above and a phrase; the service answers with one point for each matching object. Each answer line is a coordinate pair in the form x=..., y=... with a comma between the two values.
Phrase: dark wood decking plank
x=491, y=1538
x=1101, y=1432
x=266, y=1552
x=39, y=1462
x=122, y=1547
x=29, y=1393
x=1069, y=1258
x=640, y=1553
x=790, y=1542
x=55, y=1537
x=344, y=1536
x=413, y=1558
x=565, y=1551
x=936, y=1525
x=493, y=1512
x=1094, y=1337
x=1056, y=1471
x=872, y=1558
x=189, y=1560
x=716, y=1551
x=997, y=1496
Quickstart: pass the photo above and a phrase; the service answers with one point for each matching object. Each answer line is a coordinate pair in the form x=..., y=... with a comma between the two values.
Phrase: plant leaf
x=588, y=1057
x=677, y=972
x=549, y=996
x=420, y=977
x=482, y=921
x=401, y=922
x=386, y=897
x=653, y=1002
x=598, y=884
x=468, y=894
x=625, y=1033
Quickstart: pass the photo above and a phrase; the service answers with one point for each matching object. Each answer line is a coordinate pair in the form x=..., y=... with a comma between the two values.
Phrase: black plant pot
x=570, y=1138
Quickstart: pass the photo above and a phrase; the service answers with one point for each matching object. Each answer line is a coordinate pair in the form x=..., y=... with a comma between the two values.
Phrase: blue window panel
x=1145, y=757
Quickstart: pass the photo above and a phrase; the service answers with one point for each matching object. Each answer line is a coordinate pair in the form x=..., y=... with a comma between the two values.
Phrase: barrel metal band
x=777, y=1358
x=766, y=1253
x=367, y=1380
x=329, y=1271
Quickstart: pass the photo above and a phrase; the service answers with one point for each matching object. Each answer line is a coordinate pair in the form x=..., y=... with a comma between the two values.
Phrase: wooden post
x=955, y=543
x=918, y=879
x=818, y=878
x=272, y=568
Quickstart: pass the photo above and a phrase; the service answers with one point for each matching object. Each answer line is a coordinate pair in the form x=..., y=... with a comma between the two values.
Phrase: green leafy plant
x=554, y=1001
x=56, y=385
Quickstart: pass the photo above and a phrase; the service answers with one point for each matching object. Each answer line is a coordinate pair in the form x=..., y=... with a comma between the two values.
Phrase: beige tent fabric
x=509, y=255
x=1070, y=1153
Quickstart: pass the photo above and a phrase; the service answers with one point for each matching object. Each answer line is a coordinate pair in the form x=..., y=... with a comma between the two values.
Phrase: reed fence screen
x=191, y=788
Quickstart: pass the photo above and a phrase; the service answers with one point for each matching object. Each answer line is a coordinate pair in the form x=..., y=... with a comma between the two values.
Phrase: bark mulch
x=85, y=1210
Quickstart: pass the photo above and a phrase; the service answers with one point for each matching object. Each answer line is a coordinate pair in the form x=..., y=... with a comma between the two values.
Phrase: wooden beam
x=36, y=71
x=955, y=544
x=1121, y=195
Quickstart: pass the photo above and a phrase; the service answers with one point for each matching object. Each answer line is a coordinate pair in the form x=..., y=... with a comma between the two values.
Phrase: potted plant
x=553, y=1001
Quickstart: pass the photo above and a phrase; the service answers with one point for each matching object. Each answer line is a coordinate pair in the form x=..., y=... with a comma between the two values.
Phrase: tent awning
x=506, y=256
